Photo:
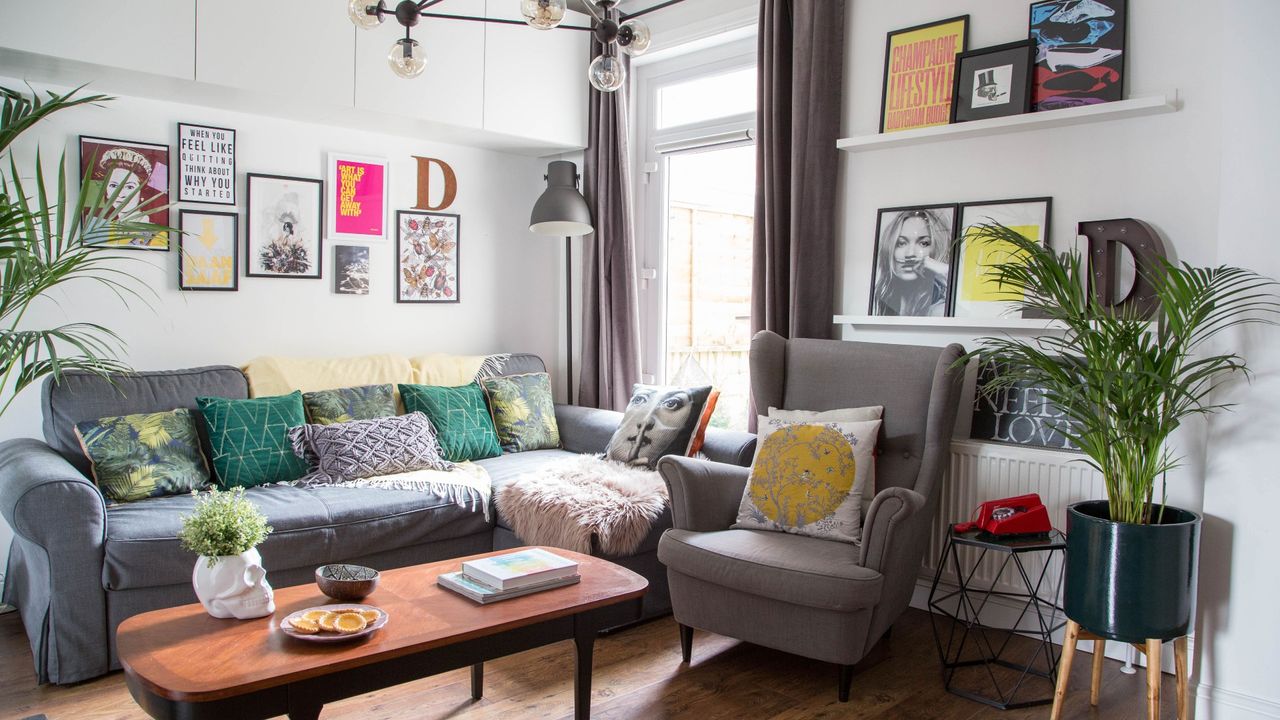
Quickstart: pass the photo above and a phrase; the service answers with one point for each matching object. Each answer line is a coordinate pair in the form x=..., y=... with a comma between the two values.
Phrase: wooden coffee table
x=181, y=663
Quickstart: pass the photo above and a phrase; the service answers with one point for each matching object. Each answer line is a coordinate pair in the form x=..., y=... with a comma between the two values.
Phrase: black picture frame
x=958, y=251
x=181, y=174
x=250, y=235
x=1109, y=76
x=156, y=151
x=1017, y=58
x=183, y=214
x=888, y=50
x=455, y=295
x=881, y=270
x=355, y=252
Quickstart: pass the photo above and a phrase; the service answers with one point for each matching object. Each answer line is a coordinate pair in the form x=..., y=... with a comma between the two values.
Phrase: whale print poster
x=1080, y=52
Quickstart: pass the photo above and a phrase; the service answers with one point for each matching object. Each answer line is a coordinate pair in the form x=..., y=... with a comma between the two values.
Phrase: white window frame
x=650, y=170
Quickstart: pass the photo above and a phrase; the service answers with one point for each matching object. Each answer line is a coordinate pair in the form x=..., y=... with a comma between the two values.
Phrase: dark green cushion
x=524, y=414
x=328, y=407
x=249, y=439
x=461, y=418
x=145, y=455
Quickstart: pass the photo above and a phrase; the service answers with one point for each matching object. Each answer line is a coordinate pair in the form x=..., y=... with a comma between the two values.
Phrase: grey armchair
x=826, y=600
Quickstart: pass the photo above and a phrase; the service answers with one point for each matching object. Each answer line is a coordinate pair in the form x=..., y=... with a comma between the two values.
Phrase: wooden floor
x=638, y=674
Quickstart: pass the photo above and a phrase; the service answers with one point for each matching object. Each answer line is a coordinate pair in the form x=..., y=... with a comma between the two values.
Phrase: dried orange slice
x=314, y=615
x=327, y=620
x=348, y=623
x=370, y=616
x=304, y=626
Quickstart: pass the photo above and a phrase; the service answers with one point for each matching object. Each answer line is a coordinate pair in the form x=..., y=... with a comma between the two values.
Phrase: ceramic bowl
x=346, y=582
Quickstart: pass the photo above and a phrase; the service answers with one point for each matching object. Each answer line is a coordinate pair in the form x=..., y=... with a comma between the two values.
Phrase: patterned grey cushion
x=368, y=448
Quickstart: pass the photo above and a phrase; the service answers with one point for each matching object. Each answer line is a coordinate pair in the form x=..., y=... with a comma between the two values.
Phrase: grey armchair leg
x=846, y=682
x=686, y=643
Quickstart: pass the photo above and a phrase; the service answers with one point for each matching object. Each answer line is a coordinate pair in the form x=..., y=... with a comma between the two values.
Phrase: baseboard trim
x=1215, y=703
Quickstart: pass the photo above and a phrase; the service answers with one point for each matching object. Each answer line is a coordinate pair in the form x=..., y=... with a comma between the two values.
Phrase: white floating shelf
x=1134, y=107
x=951, y=324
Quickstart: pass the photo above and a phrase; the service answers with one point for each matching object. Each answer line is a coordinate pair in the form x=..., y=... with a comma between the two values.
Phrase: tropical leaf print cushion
x=328, y=407
x=140, y=456
x=524, y=413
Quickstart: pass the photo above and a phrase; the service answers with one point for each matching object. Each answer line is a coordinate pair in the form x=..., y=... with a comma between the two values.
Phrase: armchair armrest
x=584, y=429
x=704, y=495
x=729, y=446
x=886, y=536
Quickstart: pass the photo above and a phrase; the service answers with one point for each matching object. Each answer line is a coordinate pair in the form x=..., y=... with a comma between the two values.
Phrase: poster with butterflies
x=427, y=257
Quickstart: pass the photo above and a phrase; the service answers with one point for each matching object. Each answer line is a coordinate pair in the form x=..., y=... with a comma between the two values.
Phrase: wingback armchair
x=822, y=599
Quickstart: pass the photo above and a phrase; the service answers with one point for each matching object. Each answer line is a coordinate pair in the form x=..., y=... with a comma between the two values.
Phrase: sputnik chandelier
x=614, y=29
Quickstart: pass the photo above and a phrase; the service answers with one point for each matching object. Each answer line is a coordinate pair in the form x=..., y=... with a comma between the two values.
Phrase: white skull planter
x=235, y=587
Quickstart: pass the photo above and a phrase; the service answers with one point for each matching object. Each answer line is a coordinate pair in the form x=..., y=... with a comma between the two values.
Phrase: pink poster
x=357, y=198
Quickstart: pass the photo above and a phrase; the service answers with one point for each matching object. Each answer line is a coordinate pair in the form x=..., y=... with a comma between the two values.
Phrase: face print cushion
x=658, y=421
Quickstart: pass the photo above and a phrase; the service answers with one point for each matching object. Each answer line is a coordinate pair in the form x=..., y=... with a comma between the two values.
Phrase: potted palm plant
x=1124, y=384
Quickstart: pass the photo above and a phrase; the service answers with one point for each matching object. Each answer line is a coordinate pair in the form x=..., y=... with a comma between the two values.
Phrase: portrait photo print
x=911, y=274
x=283, y=219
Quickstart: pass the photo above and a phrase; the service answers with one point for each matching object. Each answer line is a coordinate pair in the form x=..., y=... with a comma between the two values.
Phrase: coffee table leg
x=305, y=711
x=477, y=681
x=584, y=639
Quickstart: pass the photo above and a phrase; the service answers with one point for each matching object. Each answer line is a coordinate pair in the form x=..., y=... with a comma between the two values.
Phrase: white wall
x=508, y=277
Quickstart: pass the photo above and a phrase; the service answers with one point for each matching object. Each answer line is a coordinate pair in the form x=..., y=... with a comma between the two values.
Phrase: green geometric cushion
x=148, y=455
x=523, y=412
x=250, y=439
x=327, y=407
x=460, y=416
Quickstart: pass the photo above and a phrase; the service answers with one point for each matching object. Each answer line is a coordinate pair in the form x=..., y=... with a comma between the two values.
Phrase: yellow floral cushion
x=808, y=478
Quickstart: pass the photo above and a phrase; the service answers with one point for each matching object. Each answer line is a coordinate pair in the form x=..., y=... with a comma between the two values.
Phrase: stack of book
x=512, y=575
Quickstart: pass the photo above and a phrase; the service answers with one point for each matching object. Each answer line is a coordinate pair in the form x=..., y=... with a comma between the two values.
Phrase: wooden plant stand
x=1151, y=649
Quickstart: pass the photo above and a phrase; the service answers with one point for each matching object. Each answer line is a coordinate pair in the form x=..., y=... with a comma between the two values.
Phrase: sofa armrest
x=886, y=533
x=729, y=446
x=704, y=495
x=584, y=429
x=60, y=523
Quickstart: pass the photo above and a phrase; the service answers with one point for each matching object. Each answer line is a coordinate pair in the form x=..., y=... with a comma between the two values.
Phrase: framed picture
x=975, y=292
x=919, y=65
x=357, y=198
x=1080, y=48
x=427, y=257
x=993, y=82
x=206, y=164
x=207, y=250
x=912, y=263
x=283, y=216
x=350, y=270
x=136, y=174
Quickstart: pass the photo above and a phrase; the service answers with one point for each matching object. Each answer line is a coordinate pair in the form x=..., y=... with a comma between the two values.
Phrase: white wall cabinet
x=450, y=90
x=536, y=81
x=294, y=50
x=150, y=36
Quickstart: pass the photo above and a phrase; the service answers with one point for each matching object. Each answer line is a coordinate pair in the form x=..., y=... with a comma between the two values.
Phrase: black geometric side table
x=965, y=641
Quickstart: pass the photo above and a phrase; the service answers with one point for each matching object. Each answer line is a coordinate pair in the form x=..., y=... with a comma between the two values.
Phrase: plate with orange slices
x=333, y=623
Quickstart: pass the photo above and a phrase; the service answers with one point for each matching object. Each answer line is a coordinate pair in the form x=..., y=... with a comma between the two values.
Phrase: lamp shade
x=561, y=211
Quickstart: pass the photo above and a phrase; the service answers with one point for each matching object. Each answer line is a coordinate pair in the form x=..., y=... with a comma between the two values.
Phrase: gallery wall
x=508, y=277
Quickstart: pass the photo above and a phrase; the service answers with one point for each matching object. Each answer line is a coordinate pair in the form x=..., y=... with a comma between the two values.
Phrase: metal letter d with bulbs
x=561, y=211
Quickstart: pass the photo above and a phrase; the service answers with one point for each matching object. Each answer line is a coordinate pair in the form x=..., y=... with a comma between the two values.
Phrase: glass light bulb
x=357, y=11
x=407, y=59
x=640, y=37
x=607, y=73
x=542, y=14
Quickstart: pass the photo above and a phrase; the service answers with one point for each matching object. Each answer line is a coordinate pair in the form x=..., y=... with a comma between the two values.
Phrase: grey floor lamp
x=563, y=212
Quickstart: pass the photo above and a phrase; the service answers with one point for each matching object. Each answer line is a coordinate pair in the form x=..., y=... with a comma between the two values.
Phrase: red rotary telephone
x=1022, y=515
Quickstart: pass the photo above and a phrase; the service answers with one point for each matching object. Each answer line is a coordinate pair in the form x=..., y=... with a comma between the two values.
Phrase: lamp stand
x=568, y=317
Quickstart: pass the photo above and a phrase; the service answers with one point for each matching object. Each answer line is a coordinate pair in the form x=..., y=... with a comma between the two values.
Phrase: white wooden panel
x=297, y=50
x=536, y=80
x=450, y=90
x=152, y=36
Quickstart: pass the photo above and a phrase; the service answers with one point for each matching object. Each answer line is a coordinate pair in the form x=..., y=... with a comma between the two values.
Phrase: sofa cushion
x=250, y=439
x=312, y=526
x=794, y=569
x=329, y=407
x=147, y=455
x=83, y=396
x=461, y=418
x=524, y=415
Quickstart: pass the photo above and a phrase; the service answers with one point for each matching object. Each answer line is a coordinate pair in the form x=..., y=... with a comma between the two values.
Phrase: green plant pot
x=1131, y=582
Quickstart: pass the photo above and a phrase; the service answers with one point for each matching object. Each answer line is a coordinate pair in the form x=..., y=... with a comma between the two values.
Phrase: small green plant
x=223, y=524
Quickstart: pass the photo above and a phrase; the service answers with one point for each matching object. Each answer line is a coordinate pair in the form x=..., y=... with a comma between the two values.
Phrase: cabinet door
x=450, y=90
x=152, y=36
x=293, y=49
x=536, y=80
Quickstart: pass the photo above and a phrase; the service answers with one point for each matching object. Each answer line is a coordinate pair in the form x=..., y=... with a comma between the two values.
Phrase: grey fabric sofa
x=822, y=599
x=78, y=567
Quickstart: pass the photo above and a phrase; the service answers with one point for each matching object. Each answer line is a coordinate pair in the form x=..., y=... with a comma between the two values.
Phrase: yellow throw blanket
x=270, y=376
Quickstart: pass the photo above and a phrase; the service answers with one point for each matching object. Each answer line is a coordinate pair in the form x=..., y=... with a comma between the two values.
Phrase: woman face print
x=913, y=244
x=654, y=422
x=123, y=185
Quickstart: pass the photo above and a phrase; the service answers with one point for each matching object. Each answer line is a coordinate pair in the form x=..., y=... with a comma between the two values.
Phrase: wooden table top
x=184, y=654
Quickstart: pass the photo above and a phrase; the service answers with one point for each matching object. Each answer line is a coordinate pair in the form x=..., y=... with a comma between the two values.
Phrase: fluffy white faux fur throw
x=567, y=504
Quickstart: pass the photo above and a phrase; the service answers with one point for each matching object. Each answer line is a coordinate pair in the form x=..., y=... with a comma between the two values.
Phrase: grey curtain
x=610, y=306
x=801, y=62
